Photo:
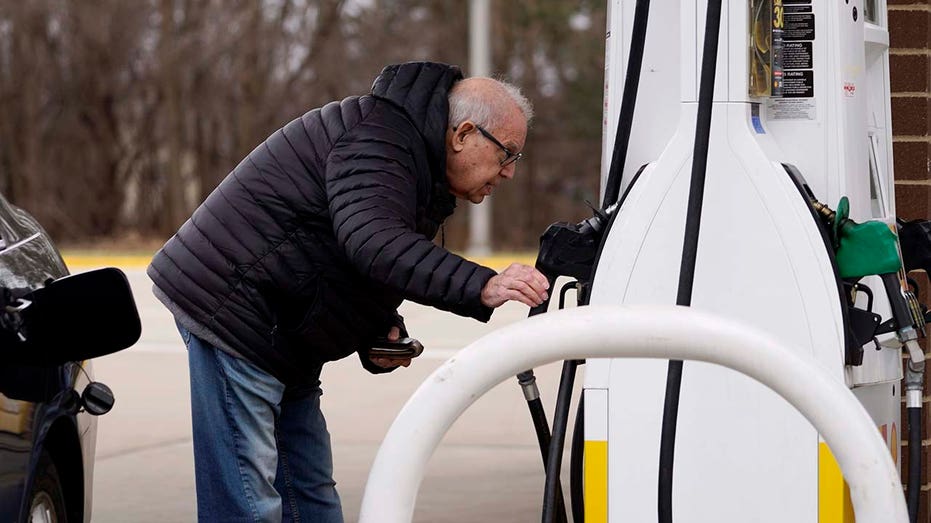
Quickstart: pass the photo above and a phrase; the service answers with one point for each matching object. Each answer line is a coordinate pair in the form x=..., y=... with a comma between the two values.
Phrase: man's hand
x=518, y=282
x=389, y=363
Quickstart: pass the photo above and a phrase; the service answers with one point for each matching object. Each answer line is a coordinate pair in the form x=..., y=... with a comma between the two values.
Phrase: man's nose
x=508, y=170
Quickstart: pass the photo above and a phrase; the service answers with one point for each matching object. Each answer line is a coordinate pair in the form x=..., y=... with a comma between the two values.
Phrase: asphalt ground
x=488, y=467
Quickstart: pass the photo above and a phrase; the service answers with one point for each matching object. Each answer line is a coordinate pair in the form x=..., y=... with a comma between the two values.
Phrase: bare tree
x=123, y=115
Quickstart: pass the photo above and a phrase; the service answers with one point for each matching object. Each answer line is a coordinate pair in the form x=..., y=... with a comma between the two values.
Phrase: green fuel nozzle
x=862, y=249
x=872, y=248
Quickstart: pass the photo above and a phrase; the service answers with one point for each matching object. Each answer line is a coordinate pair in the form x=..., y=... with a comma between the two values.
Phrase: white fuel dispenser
x=801, y=108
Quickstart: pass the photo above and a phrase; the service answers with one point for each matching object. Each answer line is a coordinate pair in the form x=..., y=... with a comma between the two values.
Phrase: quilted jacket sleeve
x=371, y=187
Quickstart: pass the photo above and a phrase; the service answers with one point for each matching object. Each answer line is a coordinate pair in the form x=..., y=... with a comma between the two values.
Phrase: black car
x=51, y=323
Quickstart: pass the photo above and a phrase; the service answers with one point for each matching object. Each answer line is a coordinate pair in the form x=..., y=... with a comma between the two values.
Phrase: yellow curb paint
x=83, y=261
x=501, y=261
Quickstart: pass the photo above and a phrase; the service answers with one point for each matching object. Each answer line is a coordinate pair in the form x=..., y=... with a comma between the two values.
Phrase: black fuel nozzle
x=570, y=249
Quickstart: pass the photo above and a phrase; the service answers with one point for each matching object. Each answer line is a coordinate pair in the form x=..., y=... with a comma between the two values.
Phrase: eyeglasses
x=509, y=156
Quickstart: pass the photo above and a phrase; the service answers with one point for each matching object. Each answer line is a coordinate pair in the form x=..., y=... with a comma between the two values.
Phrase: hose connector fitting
x=824, y=210
x=914, y=374
x=528, y=384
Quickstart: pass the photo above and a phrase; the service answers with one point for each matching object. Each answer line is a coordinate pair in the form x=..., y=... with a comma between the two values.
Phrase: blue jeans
x=261, y=450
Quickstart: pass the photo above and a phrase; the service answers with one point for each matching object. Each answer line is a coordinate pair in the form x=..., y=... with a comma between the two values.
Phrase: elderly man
x=302, y=255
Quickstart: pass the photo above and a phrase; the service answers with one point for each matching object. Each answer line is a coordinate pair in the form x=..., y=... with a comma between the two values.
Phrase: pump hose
x=553, y=499
x=689, y=250
x=528, y=383
x=914, y=462
x=542, y=430
x=612, y=191
x=628, y=103
x=554, y=456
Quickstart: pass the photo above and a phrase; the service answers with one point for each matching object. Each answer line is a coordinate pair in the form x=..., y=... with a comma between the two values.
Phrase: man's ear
x=458, y=135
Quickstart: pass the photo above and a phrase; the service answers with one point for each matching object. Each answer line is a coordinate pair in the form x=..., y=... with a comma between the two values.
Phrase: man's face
x=473, y=161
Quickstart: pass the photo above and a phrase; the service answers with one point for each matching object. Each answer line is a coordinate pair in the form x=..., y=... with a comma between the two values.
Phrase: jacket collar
x=421, y=90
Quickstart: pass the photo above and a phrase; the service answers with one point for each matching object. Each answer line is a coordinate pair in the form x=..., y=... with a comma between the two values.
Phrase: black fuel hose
x=552, y=494
x=554, y=456
x=537, y=414
x=914, y=462
x=689, y=250
x=902, y=315
x=528, y=381
x=577, y=447
x=628, y=104
x=542, y=430
x=553, y=499
x=612, y=191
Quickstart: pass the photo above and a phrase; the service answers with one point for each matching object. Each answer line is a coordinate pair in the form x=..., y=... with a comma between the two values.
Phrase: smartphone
x=403, y=349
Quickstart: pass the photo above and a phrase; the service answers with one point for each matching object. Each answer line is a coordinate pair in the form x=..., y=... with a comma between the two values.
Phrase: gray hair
x=485, y=107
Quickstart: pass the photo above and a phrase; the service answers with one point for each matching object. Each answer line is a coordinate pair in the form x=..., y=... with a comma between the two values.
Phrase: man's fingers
x=381, y=362
x=394, y=334
x=525, y=289
x=390, y=363
x=538, y=288
x=528, y=286
x=537, y=277
x=516, y=295
x=520, y=288
x=529, y=274
x=518, y=282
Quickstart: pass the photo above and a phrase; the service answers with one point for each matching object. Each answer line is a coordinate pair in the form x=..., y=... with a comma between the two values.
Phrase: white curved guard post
x=600, y=331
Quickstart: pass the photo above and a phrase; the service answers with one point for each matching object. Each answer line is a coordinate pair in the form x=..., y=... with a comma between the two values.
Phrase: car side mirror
x=74, y=318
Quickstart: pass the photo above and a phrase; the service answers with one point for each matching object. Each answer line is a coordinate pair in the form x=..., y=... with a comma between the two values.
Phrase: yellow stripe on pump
x=596, y=453
x=596, y=482
x=834, y=505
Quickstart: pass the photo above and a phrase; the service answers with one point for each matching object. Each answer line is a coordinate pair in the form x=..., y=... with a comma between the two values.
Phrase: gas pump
x=800, y=113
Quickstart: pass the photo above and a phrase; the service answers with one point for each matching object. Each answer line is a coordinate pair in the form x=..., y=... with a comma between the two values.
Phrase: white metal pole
x=610, y=331
x=479, y=65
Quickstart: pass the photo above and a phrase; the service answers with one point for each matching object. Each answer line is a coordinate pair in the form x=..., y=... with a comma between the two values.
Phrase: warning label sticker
x=798, y=26
x=796, y=55
x=798, y=76
x=798, y=84
x=791, y=109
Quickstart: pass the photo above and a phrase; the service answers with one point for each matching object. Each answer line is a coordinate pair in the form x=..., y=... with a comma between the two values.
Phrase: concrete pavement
x=487, y=469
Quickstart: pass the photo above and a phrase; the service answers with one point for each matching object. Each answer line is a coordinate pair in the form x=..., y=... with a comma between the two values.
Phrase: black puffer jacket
x=304, y=252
